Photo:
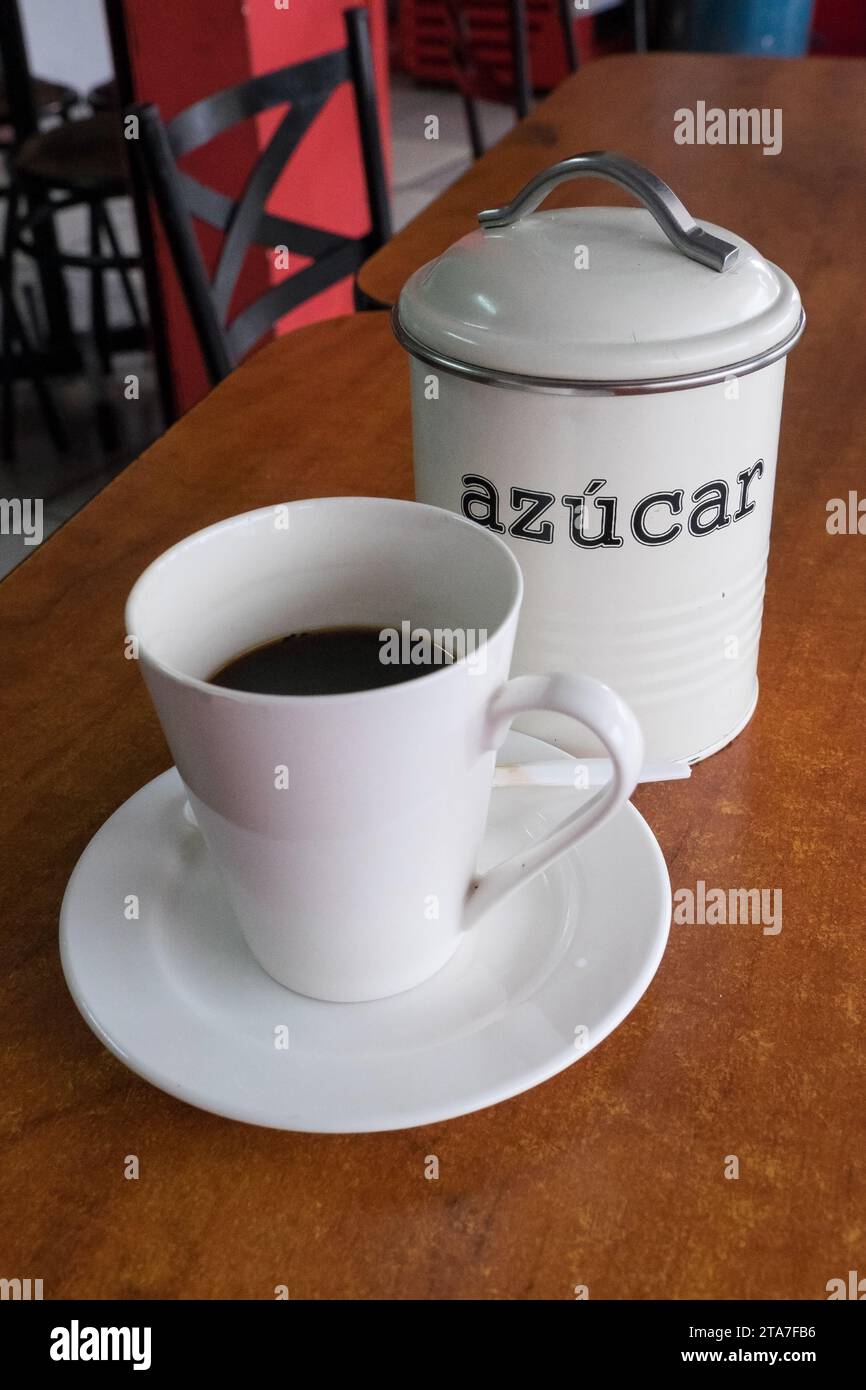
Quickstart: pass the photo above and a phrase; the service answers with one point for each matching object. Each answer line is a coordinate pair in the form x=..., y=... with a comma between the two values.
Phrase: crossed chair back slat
x=244, y=222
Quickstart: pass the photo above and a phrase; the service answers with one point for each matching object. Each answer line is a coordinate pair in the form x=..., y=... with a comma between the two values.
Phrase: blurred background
x=112, y=234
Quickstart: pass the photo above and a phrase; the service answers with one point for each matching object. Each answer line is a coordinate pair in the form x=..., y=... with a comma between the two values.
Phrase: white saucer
x=178, y=998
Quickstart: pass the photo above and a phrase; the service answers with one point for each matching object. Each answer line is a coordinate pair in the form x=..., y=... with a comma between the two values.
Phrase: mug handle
x=610, y=719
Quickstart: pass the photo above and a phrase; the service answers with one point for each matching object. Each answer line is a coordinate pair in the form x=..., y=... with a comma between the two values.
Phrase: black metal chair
x=477, y=77
x=306, y=86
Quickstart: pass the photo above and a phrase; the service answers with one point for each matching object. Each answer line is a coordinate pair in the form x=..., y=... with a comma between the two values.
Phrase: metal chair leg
x=566, y=23
x=520, y=57
x=473, y=125
x=129, y=293
x=639, y=24
x=7, y=350
x=7, y=428
x=15, y=334
x=98, y=319
x=30, y=360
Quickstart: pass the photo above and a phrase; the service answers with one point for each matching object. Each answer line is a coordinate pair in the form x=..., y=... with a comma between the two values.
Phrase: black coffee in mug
x=327, y=661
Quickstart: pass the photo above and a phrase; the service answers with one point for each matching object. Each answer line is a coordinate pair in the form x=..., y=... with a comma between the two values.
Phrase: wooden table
x=611, y=1174
x=781, y=203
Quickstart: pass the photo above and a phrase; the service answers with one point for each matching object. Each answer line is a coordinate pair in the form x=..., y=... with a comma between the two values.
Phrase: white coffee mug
x=346, y=826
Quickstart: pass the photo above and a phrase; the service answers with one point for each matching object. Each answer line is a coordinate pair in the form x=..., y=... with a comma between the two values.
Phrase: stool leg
x=98, y=320
x=43, y=393
x=30, y=359
x=473, y=126
x=121, y=269
x=15, y=336
x=15, y=332
x=7, y=431
x=7, y=350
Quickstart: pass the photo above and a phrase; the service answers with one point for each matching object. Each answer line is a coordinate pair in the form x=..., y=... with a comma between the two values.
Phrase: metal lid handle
x=672, y=216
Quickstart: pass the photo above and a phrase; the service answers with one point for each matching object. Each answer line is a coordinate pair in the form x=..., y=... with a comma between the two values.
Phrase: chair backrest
x=306, y=87
x=474, y=54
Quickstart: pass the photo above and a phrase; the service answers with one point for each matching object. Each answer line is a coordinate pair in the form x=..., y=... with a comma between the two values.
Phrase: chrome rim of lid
x=561, y=387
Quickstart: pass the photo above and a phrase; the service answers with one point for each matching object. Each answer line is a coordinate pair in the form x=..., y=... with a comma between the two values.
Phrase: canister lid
x=600, y=294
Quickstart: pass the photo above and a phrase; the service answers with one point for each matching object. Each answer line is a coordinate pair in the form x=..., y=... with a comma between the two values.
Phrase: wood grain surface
x=627, y=103
x=610, y=1175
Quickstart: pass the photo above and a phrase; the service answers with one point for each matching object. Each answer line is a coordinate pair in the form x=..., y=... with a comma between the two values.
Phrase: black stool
x=78, y=163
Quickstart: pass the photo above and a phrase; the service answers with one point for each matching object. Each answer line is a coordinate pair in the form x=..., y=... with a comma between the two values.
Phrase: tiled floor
x=63, y=483
x=424, y=166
